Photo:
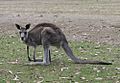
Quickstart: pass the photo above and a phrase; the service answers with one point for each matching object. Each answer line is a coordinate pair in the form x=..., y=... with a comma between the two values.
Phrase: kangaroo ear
x=27, y=26
x=18, y=26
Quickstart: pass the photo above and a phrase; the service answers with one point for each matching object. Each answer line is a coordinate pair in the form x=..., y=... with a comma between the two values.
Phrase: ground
x=91, y=26
x=79, y=20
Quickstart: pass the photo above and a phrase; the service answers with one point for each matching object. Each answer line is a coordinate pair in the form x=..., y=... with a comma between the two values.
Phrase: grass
x=62, y=70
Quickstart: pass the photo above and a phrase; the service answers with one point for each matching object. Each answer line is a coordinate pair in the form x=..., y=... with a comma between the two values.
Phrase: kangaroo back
x=42, y=25
x=52, y=30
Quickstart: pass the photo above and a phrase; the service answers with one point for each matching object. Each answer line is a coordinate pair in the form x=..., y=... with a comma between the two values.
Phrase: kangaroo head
x=23, y=31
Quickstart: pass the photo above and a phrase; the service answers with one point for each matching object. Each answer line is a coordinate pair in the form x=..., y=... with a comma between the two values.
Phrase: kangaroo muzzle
x=22, y=38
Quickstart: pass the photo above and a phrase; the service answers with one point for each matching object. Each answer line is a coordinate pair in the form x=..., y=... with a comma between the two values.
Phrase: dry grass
x=88, y=7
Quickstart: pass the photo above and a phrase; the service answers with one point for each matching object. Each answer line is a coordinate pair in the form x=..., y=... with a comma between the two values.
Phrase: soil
x=76, y=18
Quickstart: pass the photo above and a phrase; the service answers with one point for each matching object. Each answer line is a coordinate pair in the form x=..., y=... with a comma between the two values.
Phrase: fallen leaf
x=77, y=73
x=117, y=68
x=117, y=82
x=64, y=68
x=56, y=51
x=99, y=78
x=83, y=78
x=16, y=78
x=103, y=68
x=96, y=54
x=1, y=63
x=14, y=62
x=40, y=81
x=64, y=77
x=76, y=82
x=10, y=72
x=19, y=72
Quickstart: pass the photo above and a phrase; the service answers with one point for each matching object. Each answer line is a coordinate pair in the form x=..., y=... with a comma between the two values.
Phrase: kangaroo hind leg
x=34, y=56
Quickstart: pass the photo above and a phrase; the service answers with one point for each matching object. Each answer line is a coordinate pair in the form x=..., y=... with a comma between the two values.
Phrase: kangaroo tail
x=69, y=52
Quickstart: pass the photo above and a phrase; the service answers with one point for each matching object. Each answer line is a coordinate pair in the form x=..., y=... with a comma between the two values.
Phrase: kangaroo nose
x=22, y=38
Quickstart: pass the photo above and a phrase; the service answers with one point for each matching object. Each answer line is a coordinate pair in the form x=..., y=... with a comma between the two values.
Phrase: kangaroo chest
x=33, y=42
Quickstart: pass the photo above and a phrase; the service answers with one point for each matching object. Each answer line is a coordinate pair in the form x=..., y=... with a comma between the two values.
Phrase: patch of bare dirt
x=99, y=21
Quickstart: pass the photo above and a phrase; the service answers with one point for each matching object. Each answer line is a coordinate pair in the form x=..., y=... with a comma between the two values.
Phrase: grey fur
x=48, y=34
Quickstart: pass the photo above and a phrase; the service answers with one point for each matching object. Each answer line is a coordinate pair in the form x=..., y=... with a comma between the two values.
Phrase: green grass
x=62, y=70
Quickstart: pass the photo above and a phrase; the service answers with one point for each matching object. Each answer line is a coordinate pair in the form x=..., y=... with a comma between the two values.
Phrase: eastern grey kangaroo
x=48, y=34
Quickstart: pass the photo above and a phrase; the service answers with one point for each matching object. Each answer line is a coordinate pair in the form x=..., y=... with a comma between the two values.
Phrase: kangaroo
x=48, y=34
